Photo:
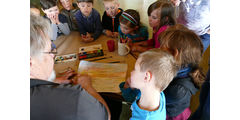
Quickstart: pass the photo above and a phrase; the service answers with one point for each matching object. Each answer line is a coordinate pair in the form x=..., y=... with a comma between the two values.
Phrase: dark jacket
x=203, y=111
x=110, y=23
x=178, y=95
x=90, y=24
x=70, y=15
x=51, y=101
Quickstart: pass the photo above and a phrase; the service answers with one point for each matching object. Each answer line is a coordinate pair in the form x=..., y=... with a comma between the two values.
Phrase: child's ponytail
x=197, y=75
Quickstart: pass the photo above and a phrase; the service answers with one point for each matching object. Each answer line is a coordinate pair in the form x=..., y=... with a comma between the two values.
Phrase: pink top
x=154, y=41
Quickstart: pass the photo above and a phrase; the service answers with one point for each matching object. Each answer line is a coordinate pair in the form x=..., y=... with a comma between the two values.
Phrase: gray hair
x=40, y=31
x=161, y=64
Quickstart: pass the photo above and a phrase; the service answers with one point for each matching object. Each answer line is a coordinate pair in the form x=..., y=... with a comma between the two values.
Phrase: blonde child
x=130, y=29
x=154, y=70
x=69, y=10
x=34, y=10
x=110, y=18
x=88, y=20
x=161, y=16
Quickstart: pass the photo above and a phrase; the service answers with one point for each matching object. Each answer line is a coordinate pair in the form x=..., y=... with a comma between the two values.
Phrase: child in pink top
x=160, y=15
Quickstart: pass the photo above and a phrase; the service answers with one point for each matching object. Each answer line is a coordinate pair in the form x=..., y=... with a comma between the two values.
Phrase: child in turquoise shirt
x=130, y=29
x=154, y=70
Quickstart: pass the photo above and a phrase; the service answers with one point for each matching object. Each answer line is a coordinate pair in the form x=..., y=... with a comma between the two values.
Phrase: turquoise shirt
x=141, y=35
x=159, y=114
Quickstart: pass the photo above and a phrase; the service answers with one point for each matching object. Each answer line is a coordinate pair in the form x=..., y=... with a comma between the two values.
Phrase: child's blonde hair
x=161, y=64
x=188, y=46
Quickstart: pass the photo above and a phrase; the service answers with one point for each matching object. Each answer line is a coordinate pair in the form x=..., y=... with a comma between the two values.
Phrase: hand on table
x=87, y=38
x=67, y=77
x=109, y=33
x=115, y=34
x=84, y=80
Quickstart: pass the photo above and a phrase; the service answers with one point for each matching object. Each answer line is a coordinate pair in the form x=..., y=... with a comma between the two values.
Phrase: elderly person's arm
x=85, y=82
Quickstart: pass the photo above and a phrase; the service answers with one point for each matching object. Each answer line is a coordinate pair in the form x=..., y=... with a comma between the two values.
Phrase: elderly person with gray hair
x=53, y=101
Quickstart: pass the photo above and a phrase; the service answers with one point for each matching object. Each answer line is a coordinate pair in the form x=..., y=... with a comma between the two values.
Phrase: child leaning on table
x=130, y=29
x=154, y=70
x=110, y=18
x=88, y=20
x=69, y=10
x=58, y=21
x=161, y=15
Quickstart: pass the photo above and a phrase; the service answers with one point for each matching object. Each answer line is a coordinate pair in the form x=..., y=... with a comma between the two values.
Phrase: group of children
x=115, y=22
x=177, y=79
x=166, y=74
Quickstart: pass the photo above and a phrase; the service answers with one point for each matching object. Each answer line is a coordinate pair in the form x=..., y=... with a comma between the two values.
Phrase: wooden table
x=71, y=43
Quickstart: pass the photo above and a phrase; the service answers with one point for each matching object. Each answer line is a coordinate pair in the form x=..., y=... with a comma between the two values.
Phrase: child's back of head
x=187, y=48
x=46, y=4
x=161, y=64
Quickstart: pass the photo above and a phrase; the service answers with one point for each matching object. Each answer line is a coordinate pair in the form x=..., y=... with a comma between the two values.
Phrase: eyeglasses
x=53, y=50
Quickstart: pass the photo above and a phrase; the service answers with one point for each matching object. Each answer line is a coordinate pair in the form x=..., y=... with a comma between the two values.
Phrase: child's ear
x=148, y=76
x=166, y=18
x=176, y=53
x=78, y=4
x=117, y=4
x=30, y=62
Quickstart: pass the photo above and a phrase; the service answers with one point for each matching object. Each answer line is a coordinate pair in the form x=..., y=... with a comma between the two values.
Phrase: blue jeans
x=205, y=38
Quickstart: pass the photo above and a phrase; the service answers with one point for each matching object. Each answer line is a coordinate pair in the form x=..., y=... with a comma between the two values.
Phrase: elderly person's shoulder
x=63, y=102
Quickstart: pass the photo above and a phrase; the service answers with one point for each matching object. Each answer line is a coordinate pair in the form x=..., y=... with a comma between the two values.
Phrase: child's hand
x=52, y=18
x=130, y=44
x=108, y=33
x=56, y=19
x=115, y=34
x=127, y=83
x=134, y=48
x=87, y=38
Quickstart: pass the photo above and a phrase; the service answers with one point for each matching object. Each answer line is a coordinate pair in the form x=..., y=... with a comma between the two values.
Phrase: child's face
x=85, y=7
x=111, y=8
x=137, y=77
x=67, y=4
x=125, y=29
x=175, y=2
x=154, y=19
x=52, y=11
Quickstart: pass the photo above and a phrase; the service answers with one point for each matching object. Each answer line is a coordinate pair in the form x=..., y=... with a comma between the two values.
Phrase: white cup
x=123, y=48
